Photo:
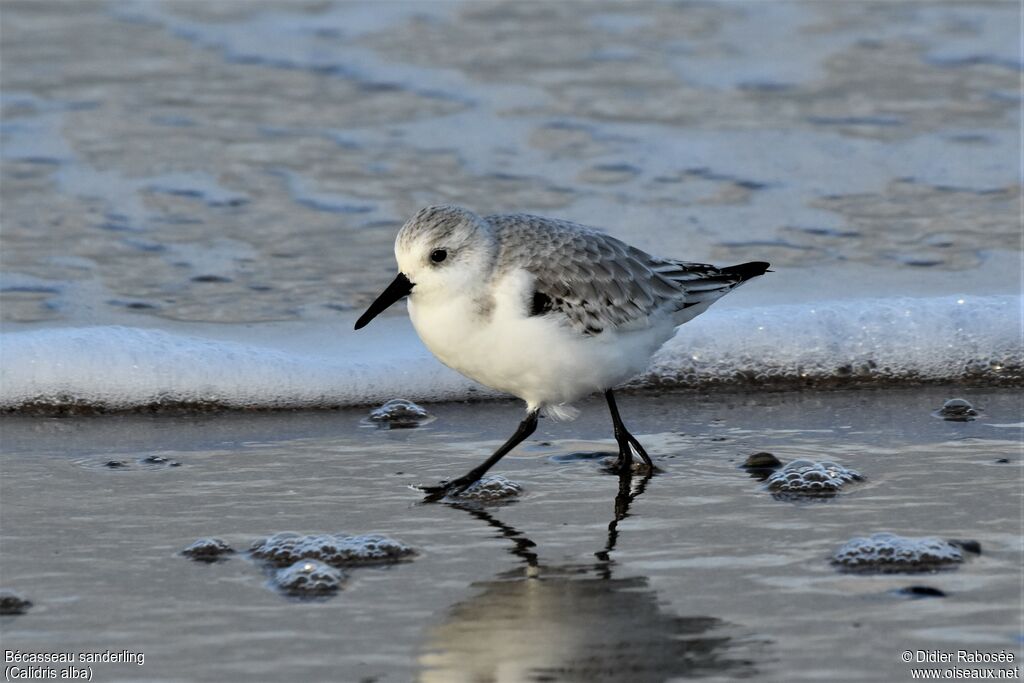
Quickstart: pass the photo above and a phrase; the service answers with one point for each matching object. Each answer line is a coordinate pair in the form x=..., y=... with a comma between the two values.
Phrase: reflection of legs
x=623, y=499
x=522, y=546
x=624, y=439
x=526, y=427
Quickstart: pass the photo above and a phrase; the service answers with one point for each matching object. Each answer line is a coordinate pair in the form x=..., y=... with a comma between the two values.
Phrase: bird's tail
x=701, y=284
x=701, y=278
x=745, y=271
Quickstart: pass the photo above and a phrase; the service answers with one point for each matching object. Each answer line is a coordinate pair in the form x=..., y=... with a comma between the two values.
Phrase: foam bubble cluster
x=888, y=553
x=286, y=548
x=849, y=342
x=809, y=478
x=116, y=368
x=490, y=488
x=208, y=550
x=309, y=578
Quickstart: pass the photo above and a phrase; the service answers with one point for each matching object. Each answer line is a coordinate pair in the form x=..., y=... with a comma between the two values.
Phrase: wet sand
x=698, y=571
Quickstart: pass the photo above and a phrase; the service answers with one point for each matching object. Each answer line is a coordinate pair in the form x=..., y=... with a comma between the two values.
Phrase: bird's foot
x=621, y=466
x=639, y=467
x=628, y=445
x=444, y=489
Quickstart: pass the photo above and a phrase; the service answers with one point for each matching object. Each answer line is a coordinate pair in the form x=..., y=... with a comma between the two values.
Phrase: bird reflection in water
x=575, y=623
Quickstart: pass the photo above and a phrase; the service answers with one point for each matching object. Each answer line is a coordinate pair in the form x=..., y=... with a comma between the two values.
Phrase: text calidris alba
x=547, y=310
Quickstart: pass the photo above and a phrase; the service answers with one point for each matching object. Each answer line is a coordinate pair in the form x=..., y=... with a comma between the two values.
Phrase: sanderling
x=547, y=310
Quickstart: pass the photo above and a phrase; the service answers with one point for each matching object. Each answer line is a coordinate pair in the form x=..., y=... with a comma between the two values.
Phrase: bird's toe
x=432, y=493
x=442, y=490
x=632, y=466
x=618, y=465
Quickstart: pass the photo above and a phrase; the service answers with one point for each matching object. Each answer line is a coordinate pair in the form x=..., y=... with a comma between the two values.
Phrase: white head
x=440, y=250
x=445, y=249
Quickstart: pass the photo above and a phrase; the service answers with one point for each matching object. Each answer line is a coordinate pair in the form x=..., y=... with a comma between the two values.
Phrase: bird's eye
x=438, y=255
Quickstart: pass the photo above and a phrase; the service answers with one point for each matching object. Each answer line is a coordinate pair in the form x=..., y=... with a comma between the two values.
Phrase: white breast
x=536, y=358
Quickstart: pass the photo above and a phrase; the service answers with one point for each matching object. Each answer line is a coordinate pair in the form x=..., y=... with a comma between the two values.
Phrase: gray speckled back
x=598, y=281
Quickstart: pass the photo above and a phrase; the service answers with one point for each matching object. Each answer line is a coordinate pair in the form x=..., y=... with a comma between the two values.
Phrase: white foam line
x=883, y=340
x=930, y=339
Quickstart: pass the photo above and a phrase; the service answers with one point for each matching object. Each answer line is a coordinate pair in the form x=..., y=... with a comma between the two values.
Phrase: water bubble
x=399, y=413
x=957, y=410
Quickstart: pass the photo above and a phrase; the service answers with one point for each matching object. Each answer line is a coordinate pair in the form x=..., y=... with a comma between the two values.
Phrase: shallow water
x=704, y=573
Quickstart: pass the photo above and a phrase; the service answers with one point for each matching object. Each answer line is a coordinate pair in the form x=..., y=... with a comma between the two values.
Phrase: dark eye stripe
x=438, y=255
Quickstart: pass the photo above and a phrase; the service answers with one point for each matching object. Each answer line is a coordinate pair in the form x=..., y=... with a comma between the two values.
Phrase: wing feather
x=596, y=282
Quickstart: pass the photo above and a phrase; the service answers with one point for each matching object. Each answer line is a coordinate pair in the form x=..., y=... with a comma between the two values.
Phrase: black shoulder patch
x=540, y=304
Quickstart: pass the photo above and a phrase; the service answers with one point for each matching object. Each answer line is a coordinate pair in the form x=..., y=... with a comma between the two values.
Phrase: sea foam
x=857, y=341
x=867, y=341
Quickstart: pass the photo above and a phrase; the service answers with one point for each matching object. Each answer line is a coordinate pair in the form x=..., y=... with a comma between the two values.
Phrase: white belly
x=534, y=358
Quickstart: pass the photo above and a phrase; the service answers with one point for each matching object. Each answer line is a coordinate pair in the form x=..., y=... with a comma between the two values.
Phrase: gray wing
x=595, y=281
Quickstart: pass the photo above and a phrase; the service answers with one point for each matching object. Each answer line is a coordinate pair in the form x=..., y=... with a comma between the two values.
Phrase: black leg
x=526, y=427
x=627, y=442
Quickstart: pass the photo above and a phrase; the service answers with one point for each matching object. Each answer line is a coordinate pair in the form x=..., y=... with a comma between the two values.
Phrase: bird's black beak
x=398, y=288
